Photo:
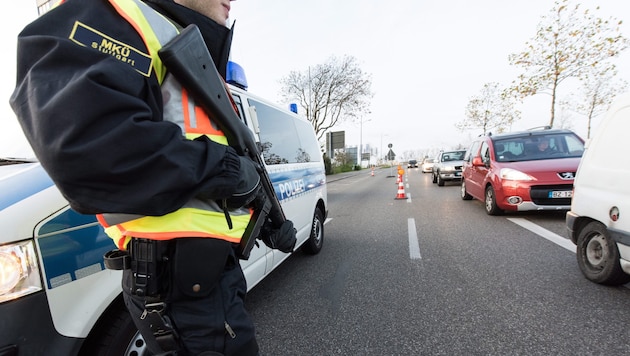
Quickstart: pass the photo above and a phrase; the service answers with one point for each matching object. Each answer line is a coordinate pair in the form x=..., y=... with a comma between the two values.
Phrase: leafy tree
x=330, y=92
x=491, y=109
x=599, y=88
x=568, y=42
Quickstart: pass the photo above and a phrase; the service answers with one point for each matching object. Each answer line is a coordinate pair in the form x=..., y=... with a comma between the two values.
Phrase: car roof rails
x=545, y=127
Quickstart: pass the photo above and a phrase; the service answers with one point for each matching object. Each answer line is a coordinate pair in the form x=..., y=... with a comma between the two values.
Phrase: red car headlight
x=513, y=174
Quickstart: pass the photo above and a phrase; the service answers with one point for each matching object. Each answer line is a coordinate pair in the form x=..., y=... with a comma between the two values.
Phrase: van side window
x=310, y=151
x=284, y=138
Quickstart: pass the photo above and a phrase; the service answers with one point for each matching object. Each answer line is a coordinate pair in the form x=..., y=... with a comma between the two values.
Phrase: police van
x=57, y=298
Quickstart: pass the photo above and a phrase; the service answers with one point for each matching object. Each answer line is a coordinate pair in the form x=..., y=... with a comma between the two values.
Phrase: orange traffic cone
x=401, y=191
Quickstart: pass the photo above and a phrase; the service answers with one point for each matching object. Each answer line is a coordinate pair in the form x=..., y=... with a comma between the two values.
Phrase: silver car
x=427, y=165
x=448, y=166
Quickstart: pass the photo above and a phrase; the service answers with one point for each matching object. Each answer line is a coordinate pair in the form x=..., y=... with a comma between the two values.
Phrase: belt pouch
x=198, y=264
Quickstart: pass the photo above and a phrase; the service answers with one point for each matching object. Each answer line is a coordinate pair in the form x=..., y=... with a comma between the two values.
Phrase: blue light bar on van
x=235, y=75
x=293, y=107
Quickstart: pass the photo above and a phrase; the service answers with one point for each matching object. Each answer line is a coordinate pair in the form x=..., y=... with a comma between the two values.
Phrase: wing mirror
x=476, y=161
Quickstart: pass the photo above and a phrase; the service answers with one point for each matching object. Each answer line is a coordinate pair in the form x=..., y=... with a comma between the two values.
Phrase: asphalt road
x=434, y=275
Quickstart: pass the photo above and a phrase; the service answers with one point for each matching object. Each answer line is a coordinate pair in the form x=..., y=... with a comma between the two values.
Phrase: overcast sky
x=426, y=58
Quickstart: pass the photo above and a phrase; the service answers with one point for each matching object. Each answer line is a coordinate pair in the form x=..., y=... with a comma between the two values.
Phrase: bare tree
x=568, y=42
x=342, y=158
x=329, y=93
x=600, y=86
x=270, y=157
x=491, y=109
x=563, y=118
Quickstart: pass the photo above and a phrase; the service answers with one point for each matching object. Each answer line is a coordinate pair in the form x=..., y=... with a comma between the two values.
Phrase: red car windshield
x=537, y=147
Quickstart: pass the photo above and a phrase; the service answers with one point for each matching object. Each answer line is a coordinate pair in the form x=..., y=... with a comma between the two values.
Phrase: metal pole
x=360, y=153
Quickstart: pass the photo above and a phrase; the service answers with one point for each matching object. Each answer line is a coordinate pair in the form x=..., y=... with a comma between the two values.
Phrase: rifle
x=188, y=59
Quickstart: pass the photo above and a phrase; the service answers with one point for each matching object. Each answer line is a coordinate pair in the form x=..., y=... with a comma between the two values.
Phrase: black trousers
x=204, y=289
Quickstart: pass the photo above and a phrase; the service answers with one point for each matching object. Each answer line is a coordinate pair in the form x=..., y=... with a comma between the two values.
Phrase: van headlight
x=19, y=270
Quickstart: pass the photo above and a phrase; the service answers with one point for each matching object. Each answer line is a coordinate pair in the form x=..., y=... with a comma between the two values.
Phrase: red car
x=520, y=171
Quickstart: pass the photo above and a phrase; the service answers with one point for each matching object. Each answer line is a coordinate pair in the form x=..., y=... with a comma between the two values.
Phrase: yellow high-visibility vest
x=197, y=218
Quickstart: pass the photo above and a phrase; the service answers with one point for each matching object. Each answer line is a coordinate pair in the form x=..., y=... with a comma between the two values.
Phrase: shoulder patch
x=89, y=37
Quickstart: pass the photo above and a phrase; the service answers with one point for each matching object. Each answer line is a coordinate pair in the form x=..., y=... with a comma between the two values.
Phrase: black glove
x=247, y=187
x=282, y=239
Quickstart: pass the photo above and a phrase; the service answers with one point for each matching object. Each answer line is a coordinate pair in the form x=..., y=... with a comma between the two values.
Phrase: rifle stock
x=188, y=59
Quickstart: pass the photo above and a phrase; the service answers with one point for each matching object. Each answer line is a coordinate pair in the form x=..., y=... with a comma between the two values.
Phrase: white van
x=57, y=298
x=599, y=220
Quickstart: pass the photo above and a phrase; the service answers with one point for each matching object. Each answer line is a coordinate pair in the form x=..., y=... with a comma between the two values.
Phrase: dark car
x=528, y=170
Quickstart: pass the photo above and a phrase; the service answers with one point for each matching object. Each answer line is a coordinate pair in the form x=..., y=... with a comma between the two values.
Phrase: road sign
x=336, y=140
x=390, y=155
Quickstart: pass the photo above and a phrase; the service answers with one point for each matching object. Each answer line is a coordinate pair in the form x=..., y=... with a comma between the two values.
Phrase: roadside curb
x=340, y=176
x=344, y=175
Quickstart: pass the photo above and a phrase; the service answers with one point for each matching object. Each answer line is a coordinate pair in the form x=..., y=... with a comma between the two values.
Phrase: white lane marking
x=327, y=221
x=408, y=197
x=414, y=247
x=555, y=238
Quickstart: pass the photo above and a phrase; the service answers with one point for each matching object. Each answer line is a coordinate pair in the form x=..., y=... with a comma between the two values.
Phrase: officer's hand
x=248, y=185
x=282, y=239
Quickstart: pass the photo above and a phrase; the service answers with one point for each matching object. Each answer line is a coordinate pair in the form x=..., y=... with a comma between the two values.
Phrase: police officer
x=121, y=138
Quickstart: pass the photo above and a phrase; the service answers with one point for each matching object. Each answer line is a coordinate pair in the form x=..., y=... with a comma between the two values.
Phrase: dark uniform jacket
x=95, y=122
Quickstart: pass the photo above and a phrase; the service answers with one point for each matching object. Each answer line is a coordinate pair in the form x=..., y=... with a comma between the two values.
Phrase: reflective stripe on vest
x=196, y=218
x=197, y=123
x=141, y=16
x=170, y=226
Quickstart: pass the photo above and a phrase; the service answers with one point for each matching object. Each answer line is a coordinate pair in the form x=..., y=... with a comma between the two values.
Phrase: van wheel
x=598, y=256
x=464, y=194
x=491, y=202
x=314, y=244
x=115, y=335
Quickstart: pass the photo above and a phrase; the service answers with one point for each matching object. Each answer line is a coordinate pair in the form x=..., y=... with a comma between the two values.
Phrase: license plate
x=561, y=194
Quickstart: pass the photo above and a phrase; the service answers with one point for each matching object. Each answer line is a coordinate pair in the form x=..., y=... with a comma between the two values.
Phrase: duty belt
x=117, y=260
x=142, y=259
